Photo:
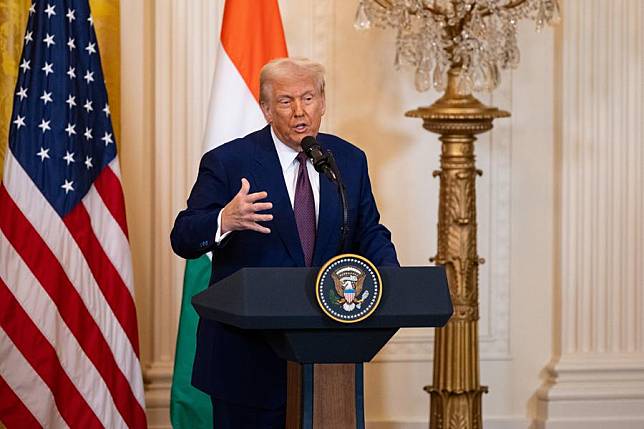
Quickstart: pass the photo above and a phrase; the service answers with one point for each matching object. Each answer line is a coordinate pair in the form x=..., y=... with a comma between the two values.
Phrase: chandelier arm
x=433, y=11
x=387, y=4
x=512, y=5
x=464, y=21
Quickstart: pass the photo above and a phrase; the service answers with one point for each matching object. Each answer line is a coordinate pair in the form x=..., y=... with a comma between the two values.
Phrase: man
x=258, y=202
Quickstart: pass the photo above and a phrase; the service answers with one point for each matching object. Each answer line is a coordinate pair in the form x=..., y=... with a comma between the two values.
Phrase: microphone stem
x=344, y=230
x=337, y=178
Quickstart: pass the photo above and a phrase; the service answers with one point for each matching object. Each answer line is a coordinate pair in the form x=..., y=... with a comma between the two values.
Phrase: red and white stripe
x=26, y=399
x=67, y=314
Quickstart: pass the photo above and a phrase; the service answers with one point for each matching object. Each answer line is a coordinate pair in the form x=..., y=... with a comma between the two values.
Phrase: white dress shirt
x=290, y=167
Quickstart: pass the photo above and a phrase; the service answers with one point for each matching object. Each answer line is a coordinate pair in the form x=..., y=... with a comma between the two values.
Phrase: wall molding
x=596, y=377
x=182, y=42
x=158, y=380
x=593, y=392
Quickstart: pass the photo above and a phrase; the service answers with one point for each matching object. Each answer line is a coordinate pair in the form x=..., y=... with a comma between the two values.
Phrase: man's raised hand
x=241, y=212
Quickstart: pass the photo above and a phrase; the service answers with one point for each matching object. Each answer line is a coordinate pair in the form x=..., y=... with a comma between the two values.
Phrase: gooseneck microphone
x=324, y=163
x=320, y=160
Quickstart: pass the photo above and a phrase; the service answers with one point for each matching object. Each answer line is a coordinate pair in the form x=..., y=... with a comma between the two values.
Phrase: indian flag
x=251, y=35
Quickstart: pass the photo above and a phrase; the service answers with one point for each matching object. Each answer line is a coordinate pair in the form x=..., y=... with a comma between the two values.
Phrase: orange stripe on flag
x=252, y=35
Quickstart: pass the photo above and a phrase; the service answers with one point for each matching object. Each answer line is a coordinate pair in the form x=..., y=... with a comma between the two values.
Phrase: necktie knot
x=301, y=157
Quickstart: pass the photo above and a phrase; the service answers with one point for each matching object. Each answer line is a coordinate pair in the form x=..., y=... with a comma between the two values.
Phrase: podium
x=325, y=373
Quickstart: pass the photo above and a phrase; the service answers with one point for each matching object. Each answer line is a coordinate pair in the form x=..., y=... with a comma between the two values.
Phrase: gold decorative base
x=461, y=410
x=455, y=395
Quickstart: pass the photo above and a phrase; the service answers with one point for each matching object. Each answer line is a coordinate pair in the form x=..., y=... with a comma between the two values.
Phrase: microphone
x=324, y=163
x=313, y=151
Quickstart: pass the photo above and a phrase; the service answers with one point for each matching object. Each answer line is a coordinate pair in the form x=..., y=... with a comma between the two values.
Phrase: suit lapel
x=269, y=177
x=326, y=243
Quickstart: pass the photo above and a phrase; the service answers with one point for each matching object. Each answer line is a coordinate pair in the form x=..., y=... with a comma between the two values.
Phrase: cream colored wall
x=596, y=376
x=168, y=57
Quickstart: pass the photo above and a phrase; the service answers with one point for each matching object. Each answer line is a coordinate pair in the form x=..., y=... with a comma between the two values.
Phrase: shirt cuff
x=218, y=236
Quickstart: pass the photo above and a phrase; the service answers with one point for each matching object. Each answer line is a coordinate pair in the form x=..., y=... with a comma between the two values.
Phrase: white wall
x=168, y=58
x=596, y=376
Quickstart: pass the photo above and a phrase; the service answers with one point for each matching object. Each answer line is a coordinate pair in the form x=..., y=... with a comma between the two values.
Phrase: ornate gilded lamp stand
x=458, y=46
x=456, y=391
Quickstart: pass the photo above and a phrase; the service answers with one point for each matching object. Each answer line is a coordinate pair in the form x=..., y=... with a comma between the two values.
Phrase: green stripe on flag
x=189, y=407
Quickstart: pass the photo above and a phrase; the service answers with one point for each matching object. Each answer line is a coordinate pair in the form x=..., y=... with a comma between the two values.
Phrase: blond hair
x=288, y=67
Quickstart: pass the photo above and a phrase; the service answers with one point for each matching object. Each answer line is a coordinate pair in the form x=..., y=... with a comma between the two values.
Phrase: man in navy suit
x=256, y=203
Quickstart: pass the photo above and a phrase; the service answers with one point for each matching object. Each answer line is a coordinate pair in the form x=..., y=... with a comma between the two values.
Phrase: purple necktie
x=304, y=209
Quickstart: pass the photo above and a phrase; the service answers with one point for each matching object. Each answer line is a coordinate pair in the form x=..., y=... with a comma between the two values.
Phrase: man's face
x=294, y=109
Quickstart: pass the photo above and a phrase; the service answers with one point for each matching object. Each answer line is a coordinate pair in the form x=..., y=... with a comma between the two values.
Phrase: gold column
x=455, y=396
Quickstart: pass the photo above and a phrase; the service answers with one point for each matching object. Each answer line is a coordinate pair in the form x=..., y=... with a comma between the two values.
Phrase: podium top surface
x=284, y=298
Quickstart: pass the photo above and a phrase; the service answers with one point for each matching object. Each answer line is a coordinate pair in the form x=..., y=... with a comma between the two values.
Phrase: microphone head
x=308, y=143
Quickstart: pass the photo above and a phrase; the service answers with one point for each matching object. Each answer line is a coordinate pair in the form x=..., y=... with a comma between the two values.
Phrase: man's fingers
x=259, y=228
x=251, y=198
x=262, y=217
x=245, y=187
x=247, y=210
x=258, y=207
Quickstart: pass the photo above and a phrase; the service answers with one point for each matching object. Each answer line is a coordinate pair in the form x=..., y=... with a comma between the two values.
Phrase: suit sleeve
x=373, y=240
x=195, y=227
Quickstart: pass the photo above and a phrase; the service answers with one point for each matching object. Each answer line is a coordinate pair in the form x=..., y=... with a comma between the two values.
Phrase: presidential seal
x=348, y=288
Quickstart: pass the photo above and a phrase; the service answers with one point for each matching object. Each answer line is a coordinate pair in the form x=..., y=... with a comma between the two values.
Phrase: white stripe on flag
x=233, y=111
x=27, y=385
x=115, y=167
x=51, y=228
x=44, y=313
x=110, y=236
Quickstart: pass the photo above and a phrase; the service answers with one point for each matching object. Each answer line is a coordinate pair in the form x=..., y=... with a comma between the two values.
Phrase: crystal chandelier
x=477, y=37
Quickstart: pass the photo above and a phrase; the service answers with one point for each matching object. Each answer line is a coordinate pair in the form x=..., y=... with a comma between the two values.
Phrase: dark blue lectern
x=325, y=386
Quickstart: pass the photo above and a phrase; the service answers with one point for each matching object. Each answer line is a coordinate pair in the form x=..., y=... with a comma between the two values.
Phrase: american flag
x=68, y=330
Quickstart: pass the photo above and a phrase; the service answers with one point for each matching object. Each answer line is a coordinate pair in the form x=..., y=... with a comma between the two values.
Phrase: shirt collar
x=286, y=154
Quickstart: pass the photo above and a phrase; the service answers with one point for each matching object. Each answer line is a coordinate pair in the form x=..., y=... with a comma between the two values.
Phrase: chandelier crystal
x=478, y=37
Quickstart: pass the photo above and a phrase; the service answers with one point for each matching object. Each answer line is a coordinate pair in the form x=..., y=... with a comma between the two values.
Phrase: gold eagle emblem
x=349, y=288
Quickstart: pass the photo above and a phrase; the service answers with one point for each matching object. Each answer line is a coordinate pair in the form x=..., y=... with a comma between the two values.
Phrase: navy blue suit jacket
x=237, y=366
